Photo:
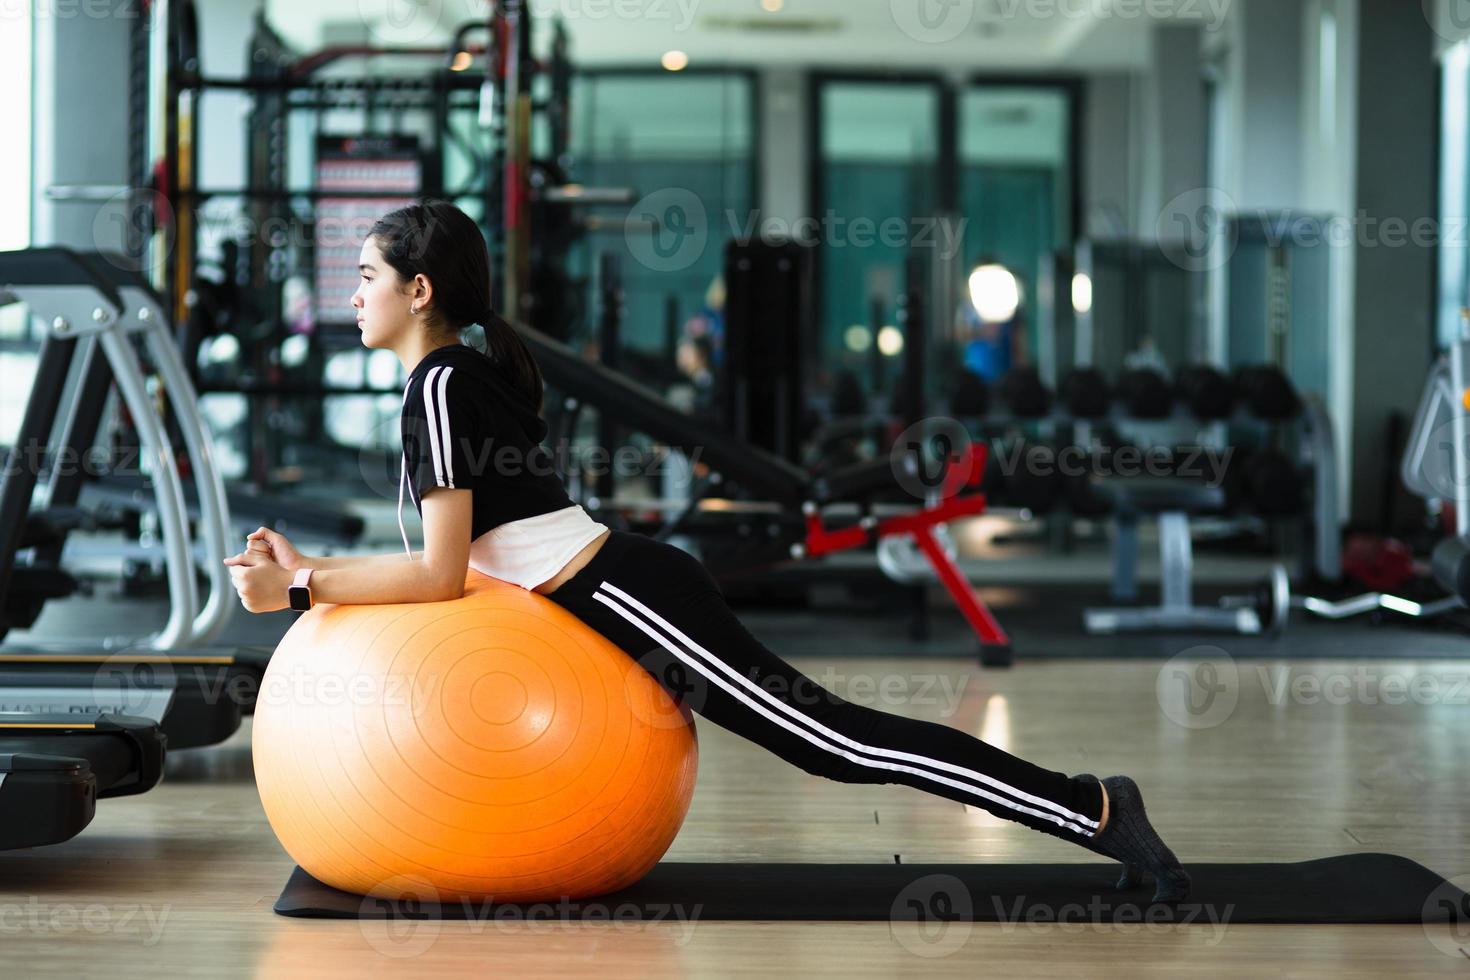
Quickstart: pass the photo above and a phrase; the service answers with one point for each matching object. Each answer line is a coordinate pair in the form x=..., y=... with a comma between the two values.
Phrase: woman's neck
x=415, y=349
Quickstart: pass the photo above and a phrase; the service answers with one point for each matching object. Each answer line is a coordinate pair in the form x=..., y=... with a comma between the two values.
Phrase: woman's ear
x=423, y=291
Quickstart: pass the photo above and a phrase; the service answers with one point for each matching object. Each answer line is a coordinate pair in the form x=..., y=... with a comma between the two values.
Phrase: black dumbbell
x=1025, y=394
x=1146, y=394
x=1274, y=484
x=1085, y=393
x=1031, y=478
x=1236, y=476
x=1207, y=392
x=1267, y=392
x=848, y=397
x=971, y=396
x=1083, y=497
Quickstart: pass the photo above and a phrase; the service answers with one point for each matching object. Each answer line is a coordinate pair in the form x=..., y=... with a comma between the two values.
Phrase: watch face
x=300, y=598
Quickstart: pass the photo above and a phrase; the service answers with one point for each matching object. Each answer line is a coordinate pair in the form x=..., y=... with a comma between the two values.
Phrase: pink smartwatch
x=300, y=590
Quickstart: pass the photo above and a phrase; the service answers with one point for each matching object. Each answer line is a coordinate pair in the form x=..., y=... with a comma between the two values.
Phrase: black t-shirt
x=465, y=426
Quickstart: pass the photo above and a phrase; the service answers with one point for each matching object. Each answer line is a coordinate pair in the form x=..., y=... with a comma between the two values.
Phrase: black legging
x=661, y=606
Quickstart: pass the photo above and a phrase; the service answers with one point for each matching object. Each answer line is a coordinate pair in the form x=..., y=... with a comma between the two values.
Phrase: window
x=878, y=160
x=685, y=144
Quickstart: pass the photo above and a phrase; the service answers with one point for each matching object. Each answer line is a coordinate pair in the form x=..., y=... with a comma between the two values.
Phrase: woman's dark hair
x=437, y=240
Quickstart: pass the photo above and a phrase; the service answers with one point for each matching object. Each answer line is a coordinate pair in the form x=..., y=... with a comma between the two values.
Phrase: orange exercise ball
x=492, y=747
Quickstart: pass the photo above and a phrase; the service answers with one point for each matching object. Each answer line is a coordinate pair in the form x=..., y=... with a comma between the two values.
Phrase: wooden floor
x=180, y=881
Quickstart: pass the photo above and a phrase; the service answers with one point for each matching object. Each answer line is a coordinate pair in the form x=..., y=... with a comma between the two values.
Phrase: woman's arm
x=279, y=549
x=351, y=561
x=262, y=574
x=436, y=574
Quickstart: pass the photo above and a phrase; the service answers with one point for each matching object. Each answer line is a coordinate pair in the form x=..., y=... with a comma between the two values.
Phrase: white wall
x=784, y=166
x=1110, y=151
x=225, y=26
x=80, y=128
x=1329, y=179
x=15, y=122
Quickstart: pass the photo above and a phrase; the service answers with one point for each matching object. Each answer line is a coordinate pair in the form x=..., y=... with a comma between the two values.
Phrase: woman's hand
x=274, y=546
x=260, y=582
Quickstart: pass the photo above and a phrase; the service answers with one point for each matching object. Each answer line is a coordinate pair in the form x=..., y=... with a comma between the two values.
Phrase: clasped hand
x=263, y=572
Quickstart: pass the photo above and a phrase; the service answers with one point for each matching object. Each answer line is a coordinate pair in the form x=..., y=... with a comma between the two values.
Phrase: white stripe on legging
x=436, y=414
x=1067, y=819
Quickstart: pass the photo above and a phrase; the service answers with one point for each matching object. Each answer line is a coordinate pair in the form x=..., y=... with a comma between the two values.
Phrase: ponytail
x=509, y=352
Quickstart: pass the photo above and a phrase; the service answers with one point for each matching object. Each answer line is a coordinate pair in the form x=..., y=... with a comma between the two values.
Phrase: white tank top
x=532, y=550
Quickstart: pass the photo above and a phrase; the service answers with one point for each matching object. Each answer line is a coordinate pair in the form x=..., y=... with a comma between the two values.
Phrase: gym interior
x=1082, y=382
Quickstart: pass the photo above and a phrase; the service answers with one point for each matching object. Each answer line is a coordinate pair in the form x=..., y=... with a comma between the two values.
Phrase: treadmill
x=54, y=769
x=93, y=307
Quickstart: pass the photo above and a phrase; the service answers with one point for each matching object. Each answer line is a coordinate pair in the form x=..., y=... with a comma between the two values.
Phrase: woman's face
x=383, y=302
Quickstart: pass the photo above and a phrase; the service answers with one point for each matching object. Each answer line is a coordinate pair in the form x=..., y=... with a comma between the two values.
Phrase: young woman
x=475, y=470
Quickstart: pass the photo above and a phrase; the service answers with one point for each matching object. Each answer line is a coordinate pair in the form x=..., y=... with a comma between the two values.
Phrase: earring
x=414, y=310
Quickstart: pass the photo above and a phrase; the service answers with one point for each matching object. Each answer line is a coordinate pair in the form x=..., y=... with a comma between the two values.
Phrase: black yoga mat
x=1351, y=888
